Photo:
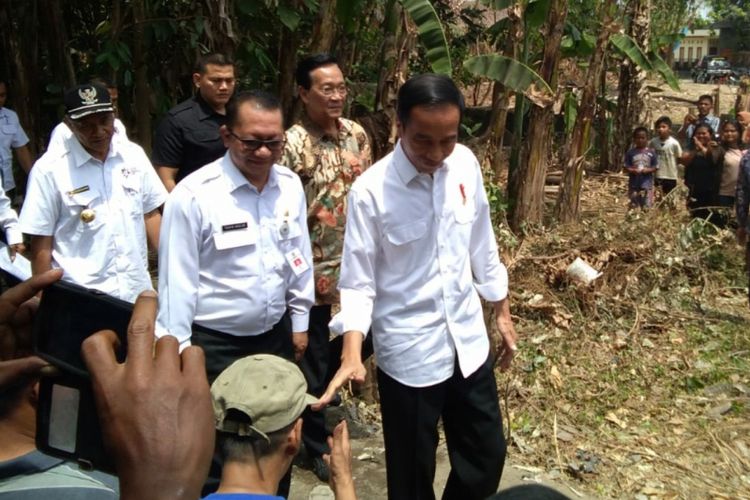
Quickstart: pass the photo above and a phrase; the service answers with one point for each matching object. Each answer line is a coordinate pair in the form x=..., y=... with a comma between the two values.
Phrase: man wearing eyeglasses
x=235, y=251
x=235, y=265
x=328, y=152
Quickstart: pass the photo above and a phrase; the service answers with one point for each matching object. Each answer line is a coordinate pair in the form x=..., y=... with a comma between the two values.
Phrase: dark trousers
x=321, y=361
x=473, y=432
x=314, y=366
x=222, y=350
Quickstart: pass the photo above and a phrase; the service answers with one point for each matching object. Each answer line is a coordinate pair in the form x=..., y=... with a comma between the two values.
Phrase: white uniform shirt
x=62, y=133
x=416, y=252
x=9, y=221
x=109, y=253
x=226, y=254
x=11, y=136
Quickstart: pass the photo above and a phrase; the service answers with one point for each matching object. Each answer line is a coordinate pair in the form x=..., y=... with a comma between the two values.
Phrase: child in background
x=640, y=164
x=668, y=152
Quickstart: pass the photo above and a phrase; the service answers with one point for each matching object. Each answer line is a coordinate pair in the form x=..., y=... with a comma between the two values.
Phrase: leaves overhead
x=512, y=74
x=430, y=34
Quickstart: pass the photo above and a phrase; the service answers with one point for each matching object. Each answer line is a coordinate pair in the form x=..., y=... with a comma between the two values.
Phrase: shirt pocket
x=76, y=204
x=465, y=212
x=8, y=129
x=235, y=238
x=402, y=246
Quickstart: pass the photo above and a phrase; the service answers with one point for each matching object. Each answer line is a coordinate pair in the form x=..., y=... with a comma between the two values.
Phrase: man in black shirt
x=188, y=137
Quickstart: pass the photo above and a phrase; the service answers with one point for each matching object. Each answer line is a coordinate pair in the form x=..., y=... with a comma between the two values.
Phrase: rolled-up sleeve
x=490, y=275
x=41, y=208
x=357, y=281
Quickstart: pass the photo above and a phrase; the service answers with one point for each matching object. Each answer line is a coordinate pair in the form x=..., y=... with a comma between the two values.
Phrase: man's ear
x=304, y=94
x=294, y=438
x=197, y=80
x=225, y=135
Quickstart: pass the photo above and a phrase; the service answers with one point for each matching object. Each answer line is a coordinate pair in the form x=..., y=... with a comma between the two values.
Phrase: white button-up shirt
x=229, y=255
x=9, y=221
x=109, y=253
x=417, y=250
x=11, y=136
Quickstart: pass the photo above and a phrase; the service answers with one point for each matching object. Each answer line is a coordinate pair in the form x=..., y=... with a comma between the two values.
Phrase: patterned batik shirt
x=327, y=166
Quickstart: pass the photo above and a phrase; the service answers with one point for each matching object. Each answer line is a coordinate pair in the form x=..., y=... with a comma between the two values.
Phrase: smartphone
x=67, y=422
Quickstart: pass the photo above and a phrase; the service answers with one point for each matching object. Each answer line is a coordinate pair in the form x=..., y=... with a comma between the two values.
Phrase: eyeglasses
x=255, y=144
x=328, y=91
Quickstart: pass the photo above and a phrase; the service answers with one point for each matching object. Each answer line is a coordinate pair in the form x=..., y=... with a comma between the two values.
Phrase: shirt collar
x=237, y=180
x=204, y=110
x=312, y=128
x=406, y=170
x=81, y=156
x=30, y=463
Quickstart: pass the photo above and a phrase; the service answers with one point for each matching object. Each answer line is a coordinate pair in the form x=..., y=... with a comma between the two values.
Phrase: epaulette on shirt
x=182, y=107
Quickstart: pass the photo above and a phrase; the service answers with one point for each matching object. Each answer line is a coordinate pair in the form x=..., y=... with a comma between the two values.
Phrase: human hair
x=736, y=126
x=706, y=97
x=201, y=64
x=10, y=397
x=427, y=90
x=638, y=130
x=663, y=119
x=232, y=447
x=310, y=64
x=706, y=126
x=260, y=98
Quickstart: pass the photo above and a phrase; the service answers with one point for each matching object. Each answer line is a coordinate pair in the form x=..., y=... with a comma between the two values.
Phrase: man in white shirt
x=13, y=139
x=235, y=253
x=92, y=207
x=419, y=250
x=235, y=263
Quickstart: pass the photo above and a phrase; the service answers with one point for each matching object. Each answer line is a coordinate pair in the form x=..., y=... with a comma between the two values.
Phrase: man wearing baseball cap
x=92, y=206
x=258, y=403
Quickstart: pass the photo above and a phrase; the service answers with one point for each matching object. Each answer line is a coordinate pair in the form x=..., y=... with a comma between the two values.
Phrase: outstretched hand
x=351, y=369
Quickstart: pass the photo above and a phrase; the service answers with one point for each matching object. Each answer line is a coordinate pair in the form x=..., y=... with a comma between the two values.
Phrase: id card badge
x=297, y=261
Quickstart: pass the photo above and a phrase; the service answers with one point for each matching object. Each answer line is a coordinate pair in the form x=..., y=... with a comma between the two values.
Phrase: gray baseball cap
x=269, y=391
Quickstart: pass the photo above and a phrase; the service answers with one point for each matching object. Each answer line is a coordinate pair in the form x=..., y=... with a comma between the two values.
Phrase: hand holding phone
x=155, y=408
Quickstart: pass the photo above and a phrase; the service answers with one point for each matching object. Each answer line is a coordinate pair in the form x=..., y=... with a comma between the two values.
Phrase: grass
x=647, y=368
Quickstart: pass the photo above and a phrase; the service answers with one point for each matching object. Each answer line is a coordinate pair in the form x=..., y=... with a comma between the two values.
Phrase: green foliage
x=650, y=62
x=511, y=73
x=431, y=34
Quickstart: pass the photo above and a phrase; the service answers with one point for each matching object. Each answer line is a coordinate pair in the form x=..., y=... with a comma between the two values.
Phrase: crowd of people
x=716, y=162
x=262, y=235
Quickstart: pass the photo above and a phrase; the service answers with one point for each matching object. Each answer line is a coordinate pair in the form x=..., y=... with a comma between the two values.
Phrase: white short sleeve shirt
x=11, y=136
x=232, y=258
x=108, y=253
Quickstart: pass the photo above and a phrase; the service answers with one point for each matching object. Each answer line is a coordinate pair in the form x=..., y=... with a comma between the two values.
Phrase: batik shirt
x=327, y=166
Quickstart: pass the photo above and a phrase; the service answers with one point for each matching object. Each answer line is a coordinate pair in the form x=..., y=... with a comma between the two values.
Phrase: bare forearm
x=23, y=154
x=168, y=176
x=352, y=348
x=152, y=221
x=41, y=254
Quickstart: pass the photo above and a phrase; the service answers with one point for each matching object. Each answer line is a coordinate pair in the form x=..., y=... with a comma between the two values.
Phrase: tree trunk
x=603, y=122
x=21, y=68
x=528, y=189
x=633, y=103
x=324, y=31
x=57, y=43
x=578, y=143
x=140, y=70
x=498, y=120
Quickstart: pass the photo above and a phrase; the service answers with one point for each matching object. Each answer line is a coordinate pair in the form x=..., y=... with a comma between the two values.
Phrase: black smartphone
x=67, y=422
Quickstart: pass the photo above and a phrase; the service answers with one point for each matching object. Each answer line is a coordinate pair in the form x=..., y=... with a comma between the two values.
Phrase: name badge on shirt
x=234, y=227
x=297, y=261
x=234, y=235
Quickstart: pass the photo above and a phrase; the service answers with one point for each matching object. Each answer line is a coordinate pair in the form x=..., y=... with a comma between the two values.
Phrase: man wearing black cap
x=92, y=206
